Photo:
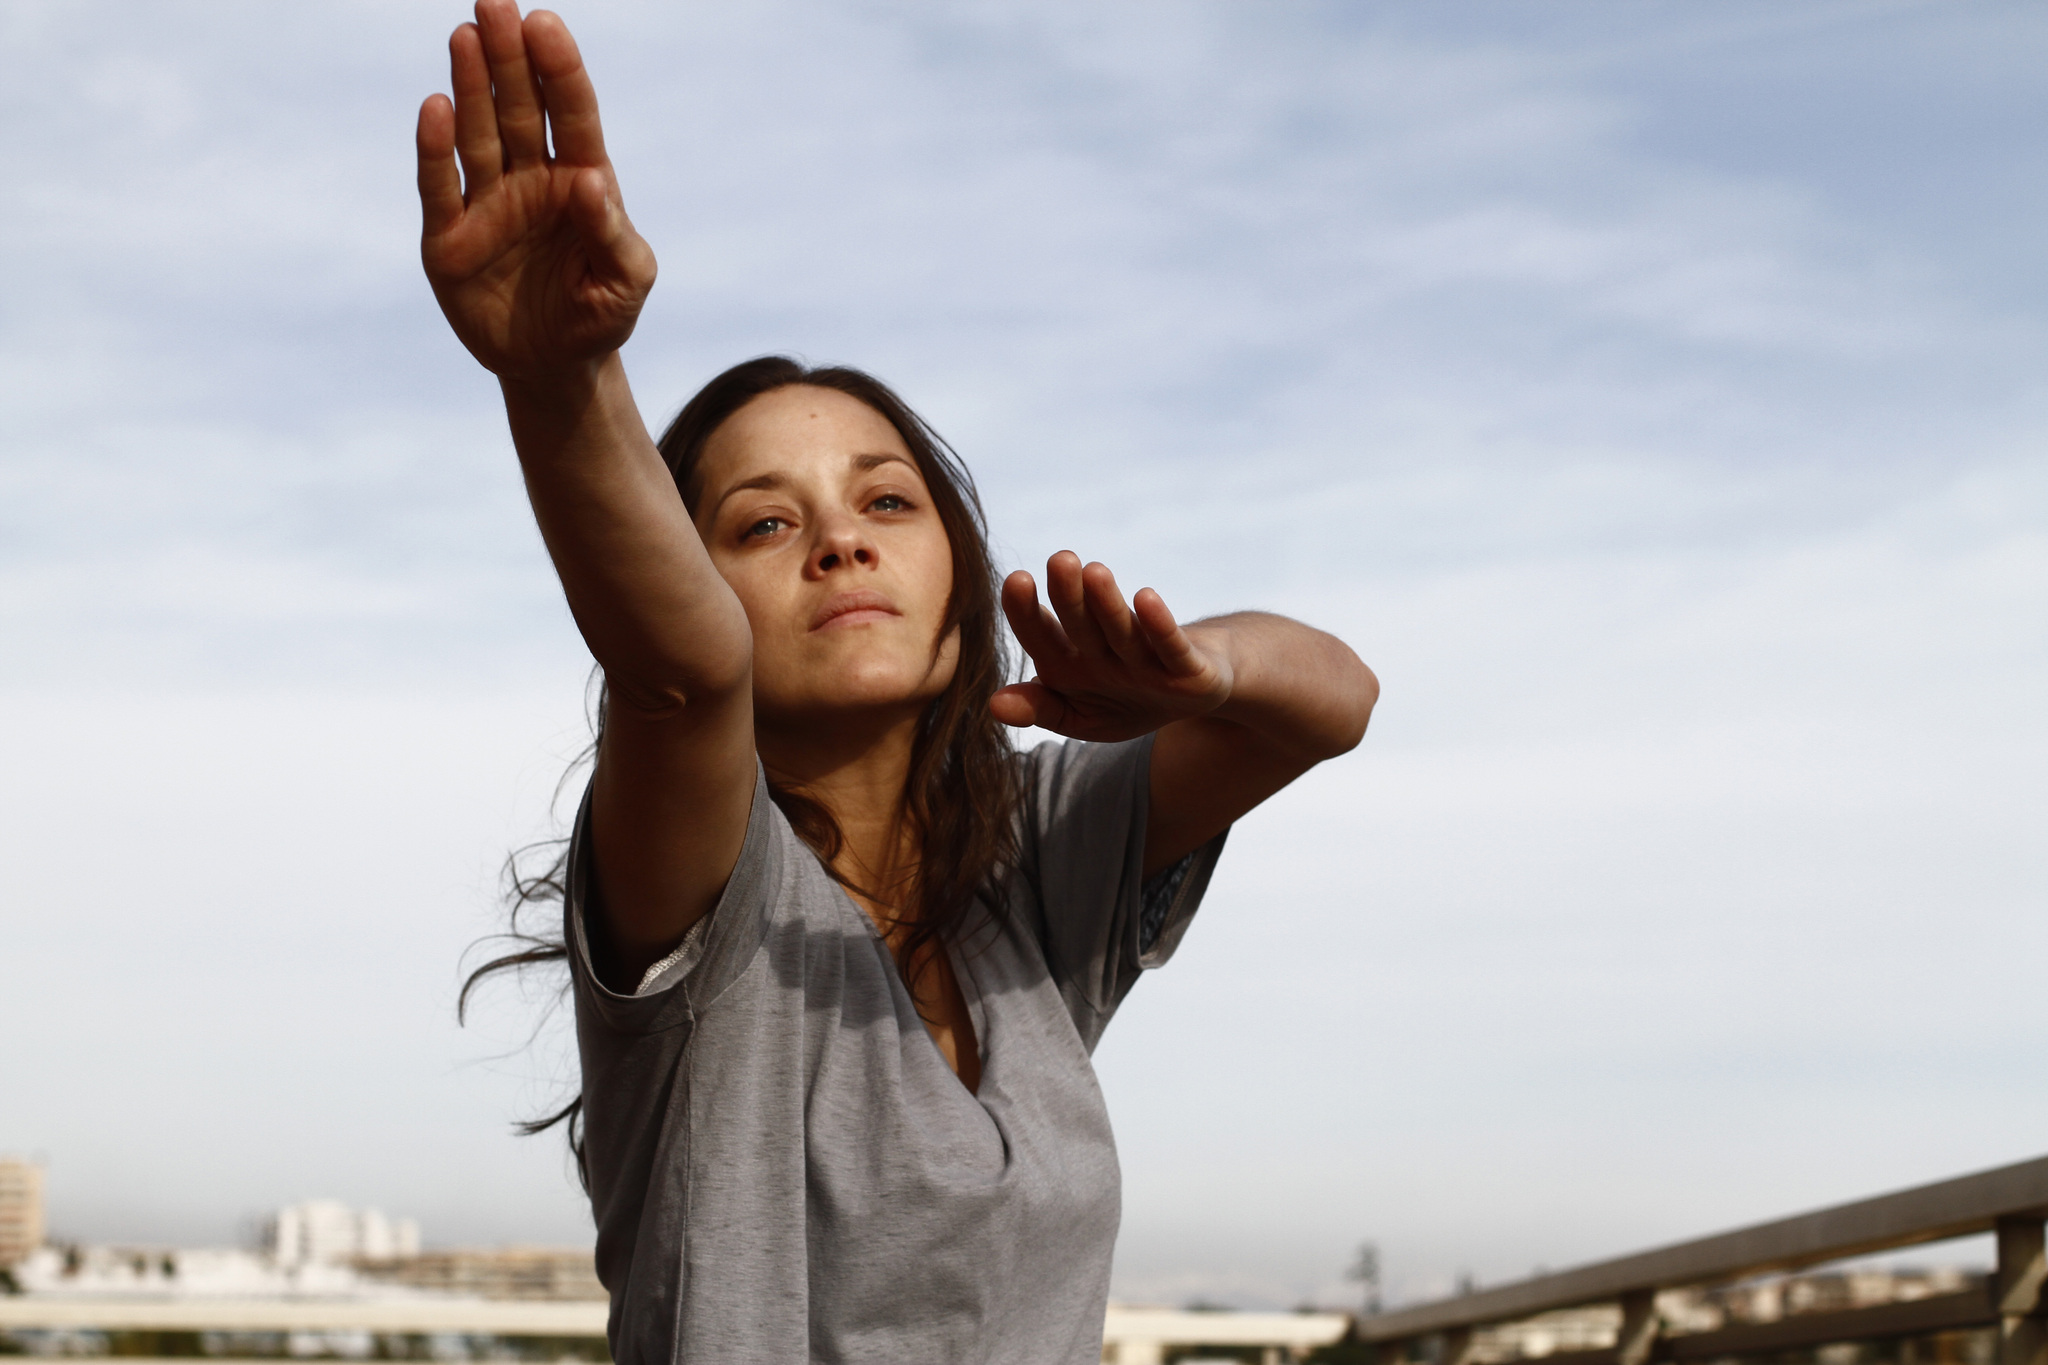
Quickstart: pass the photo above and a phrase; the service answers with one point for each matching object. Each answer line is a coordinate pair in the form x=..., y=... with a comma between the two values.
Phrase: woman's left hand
x=1107, y=670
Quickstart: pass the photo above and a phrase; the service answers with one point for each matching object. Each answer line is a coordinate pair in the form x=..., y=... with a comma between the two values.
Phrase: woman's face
x=814, y=511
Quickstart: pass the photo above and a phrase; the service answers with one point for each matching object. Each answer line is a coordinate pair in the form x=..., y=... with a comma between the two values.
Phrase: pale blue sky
x=1653, y=394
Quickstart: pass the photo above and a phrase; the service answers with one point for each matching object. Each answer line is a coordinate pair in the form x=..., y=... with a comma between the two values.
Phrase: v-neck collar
x=970, y=989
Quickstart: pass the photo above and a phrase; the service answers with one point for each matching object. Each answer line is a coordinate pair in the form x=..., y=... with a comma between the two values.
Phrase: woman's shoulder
x=1060, y=776
x=775, y=881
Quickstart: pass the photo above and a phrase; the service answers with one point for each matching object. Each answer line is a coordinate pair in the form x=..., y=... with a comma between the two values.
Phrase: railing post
x=2022, y=1270
x=1638, y=1334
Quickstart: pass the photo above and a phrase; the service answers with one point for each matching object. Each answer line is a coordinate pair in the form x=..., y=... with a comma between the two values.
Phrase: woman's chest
x=885, y=1109
x=820, y=1105
x=908, y=1175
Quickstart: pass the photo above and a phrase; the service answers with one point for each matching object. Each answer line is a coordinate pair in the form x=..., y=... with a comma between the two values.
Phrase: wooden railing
x=2011, y=1202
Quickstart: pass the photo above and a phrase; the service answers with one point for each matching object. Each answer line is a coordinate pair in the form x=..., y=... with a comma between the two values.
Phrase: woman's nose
x=842, y=543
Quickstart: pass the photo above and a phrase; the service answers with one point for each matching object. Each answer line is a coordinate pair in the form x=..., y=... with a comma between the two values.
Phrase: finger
x=1169, y=643
x=1028, y=703
x=1069, y=599
x=1036, y=629
x=565, y=88
x=617, y=253
x=1112, y=616
x=476, y=121
x=440, y=182
x=522, y=124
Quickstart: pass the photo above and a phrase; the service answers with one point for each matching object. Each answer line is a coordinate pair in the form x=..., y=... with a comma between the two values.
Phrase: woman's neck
x=857, y=768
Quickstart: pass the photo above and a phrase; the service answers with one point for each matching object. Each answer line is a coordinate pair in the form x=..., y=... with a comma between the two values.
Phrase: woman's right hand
x=535, y=263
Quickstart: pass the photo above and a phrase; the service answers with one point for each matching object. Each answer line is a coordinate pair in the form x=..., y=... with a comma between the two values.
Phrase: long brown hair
x=960, y=797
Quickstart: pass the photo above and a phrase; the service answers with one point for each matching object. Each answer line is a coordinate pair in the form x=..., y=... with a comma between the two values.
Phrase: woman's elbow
x=1360, y=694
x=663, y=688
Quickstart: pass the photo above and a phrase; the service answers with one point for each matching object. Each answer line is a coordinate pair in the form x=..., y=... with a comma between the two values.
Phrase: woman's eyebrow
x=766, y=481
x=775, y=479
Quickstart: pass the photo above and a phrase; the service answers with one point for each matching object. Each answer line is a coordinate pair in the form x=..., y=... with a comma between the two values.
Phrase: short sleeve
x=1081, y=861
x=711, y=955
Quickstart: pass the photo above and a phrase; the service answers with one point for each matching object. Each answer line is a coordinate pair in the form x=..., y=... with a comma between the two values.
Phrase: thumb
x=616, y=251
x=1026, y=704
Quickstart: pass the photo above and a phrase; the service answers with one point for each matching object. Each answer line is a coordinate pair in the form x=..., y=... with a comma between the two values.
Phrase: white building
x=329, y=1232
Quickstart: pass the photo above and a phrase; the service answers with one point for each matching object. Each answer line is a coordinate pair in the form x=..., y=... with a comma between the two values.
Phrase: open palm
x=1107, y=669
x=531, y=255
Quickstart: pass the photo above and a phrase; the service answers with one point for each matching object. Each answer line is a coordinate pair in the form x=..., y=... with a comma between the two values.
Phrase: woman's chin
x=852, y=674
x=847, y=694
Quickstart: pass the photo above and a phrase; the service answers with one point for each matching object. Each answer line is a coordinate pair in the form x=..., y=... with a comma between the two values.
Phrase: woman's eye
x=762, y=529
x=889, y=502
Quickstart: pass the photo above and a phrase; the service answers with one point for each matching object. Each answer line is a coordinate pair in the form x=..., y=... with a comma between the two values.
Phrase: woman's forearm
x=1301, y=689
x=654, y=611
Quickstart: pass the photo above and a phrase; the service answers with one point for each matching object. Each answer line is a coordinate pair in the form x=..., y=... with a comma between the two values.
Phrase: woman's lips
x=852, y=609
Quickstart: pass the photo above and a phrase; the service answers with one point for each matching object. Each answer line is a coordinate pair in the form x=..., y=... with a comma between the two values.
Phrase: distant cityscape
x=318, y=1248
x=336, y=1282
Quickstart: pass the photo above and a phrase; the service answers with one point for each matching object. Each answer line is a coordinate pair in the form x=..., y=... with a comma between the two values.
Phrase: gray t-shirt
x=783, y=1167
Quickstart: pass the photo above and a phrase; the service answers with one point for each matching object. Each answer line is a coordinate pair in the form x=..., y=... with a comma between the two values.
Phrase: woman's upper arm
x=670, y=800
x=1298, y=696
x=1206, y=774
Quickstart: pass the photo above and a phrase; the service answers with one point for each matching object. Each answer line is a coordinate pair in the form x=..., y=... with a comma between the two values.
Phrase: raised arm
x=542, y=276
x=1243, y=704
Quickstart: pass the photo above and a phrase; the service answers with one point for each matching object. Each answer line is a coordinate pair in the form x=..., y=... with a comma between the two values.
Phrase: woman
x=840, y=957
